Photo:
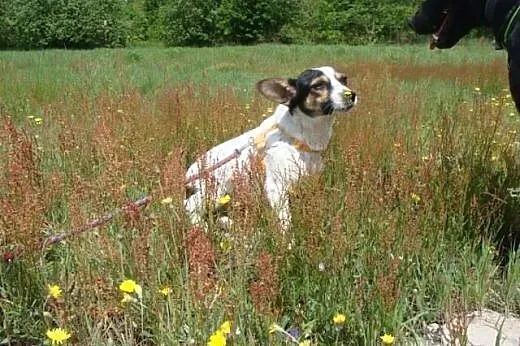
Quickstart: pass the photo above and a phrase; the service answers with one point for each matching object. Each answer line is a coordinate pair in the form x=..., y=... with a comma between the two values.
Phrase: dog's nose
x=349, y=94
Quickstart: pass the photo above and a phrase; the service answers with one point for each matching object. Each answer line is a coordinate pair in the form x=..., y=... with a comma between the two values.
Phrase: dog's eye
x=319, y=86
x=343, y=80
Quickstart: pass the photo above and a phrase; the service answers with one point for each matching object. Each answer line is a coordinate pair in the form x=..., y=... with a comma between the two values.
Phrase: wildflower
x=304, y=343
x=128, y=299
x=273, y=328
x=387, y=339
x=30, y=117
x=167, y=200
x=339, y=319
x=224, y=199
x=38, y=121
x=217, y=339
x=415, y=197
x=477, y=89
x=57, y=336
x=295, y=333
x=128, y=286
x=226, y=245
x=54, y=291
x=166, y=291
x=225, y=328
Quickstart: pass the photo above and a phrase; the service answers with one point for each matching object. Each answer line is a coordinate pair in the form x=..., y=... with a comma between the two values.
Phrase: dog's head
x=316, y=92
x=447, y=20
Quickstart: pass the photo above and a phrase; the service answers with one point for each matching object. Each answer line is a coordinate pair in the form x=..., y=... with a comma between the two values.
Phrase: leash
x=258, y=142
x=505, y=31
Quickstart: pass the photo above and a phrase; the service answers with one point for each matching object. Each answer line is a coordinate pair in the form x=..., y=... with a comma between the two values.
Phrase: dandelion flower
x=217, y=339
x=166, y=291
x=225, y=245
x=54, y=291
x=128, y=286
x=339, y=319
x=415, y=197
x=57, y=336
x=225, y=328
x=304, y=343
x=167, y=200
x=224, y=199
x=38, y=121
x=387, y=339
x=273, y=328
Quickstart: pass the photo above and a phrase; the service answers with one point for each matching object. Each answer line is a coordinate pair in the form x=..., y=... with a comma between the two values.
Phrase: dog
x=289, y=143
x=450, y=20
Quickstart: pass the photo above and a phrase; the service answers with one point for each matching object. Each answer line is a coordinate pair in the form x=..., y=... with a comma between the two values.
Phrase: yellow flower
x=477, y=89
x=415, y=197
x=339, y=319
x=128, y=286
x=217, y=339
x=54, y=291
x=226, y=245
x=167, y=200
x=166, y=291
x=388, y=339
x=224, y=199
x=273, y=328
x=57, y=336
x=304, y=343
x=225, y=328
x=38, y=121
x=128, y=299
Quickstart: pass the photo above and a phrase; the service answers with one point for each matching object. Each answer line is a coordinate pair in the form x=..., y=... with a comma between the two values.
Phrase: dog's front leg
x=277, y=195
x=195, y=208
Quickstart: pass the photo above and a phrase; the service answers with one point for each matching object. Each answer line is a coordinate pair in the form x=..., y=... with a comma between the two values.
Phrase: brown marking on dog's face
x=315, y=92
x=319, y=93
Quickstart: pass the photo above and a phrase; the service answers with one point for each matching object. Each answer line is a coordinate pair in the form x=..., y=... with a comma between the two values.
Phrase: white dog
x=289, y=142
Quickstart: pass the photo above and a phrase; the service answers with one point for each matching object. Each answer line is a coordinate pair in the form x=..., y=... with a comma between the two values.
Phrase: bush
x=189, y=23
x=63, y=24
x=249, y=21
x=352, y=22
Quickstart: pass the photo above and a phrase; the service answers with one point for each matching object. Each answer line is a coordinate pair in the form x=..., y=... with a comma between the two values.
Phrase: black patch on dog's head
x=449, y=20
x=312, y=93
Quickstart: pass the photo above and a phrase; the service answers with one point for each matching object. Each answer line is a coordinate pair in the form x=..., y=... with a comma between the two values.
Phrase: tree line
x=37, y=24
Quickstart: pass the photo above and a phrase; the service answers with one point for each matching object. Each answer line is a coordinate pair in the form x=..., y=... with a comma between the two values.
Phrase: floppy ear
x=277, y=89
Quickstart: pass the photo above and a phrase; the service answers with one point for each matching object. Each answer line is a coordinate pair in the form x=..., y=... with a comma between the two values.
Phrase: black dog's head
x=447, y=20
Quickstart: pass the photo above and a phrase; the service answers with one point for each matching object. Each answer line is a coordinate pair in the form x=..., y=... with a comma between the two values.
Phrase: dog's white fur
x=284, y=162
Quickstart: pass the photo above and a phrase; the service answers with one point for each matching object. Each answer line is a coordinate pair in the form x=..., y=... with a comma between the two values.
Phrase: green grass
x=412, y=220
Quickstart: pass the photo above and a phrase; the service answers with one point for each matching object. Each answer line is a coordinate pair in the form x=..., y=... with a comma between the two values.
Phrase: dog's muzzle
x=350, y=98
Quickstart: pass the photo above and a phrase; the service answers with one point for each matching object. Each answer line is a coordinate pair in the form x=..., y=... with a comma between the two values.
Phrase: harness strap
x=505, y=31
x=260, y=140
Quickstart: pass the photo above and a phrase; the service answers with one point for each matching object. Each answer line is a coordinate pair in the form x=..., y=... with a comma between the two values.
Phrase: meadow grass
x=412, y=221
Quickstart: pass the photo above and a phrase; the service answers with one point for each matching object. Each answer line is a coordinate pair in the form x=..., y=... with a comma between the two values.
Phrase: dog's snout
x=349, y=95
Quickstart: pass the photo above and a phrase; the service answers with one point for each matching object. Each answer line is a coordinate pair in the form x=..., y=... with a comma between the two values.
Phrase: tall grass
x=413, y=219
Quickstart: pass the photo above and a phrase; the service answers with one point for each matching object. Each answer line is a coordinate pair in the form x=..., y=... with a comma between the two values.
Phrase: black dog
x=449, y=20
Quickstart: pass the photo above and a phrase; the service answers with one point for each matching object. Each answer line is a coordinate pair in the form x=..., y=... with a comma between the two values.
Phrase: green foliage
x=252, y=21
x=189, y=23
x=63, y=23
x=352, y=22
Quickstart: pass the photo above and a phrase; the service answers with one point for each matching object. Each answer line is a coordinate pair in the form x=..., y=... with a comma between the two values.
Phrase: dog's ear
x=277, y=89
